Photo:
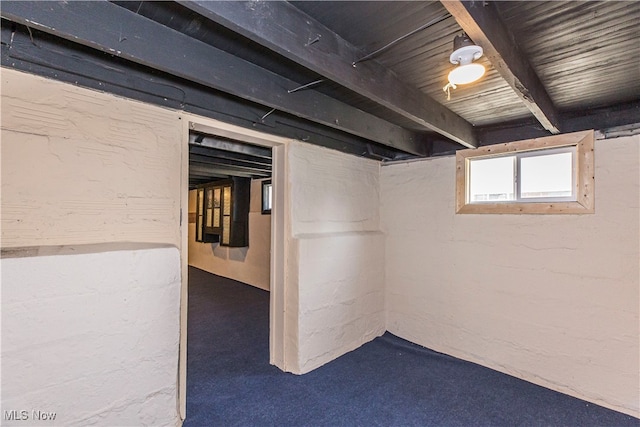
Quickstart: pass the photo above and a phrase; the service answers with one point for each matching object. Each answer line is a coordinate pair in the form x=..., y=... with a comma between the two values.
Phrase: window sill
x=526, y=208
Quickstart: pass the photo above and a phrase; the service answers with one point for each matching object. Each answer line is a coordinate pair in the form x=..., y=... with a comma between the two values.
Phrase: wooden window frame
x=584, y=204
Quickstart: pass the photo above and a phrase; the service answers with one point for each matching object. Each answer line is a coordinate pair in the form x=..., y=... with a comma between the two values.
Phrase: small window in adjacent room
x=267, y=196
x=545, y=175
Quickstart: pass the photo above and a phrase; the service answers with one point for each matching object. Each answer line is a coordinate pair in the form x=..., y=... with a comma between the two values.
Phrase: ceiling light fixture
x=464, y=53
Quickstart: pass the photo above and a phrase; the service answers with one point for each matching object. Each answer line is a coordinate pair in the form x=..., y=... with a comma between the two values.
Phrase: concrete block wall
x=552, y=299
x=80, y=166
x=90, y=208
x=338, y=249
x=90, y=335
x=341, y=299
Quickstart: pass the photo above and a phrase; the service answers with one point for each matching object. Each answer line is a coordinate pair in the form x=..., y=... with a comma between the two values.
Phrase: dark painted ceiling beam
x=243, y=166
x=204, y=169
x=480, y=20
x=205, y=176
x=602, y=119
x=239, y=149
x=231, y=156
x=205, y=157
x=117, y=31
x=52, y=57
x=284, y=29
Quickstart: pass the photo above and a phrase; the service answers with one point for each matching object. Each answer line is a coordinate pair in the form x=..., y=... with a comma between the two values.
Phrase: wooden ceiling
x=363, y=77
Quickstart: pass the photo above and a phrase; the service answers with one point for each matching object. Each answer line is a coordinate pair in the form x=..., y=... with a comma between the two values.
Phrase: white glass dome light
x=465, y=52
x=466, y=71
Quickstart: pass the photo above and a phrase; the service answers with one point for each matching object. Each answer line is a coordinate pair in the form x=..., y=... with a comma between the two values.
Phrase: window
x=267, y=196
x=223, y=212
x=529, y=176
x=544, y=175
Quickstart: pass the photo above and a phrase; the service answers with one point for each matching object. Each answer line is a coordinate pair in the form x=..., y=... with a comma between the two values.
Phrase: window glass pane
x=492, y=179
x=267, y=194
x=226, y=230
x=209, y=217
x=200, y=202
x=209, y=198
x=226, y=209
x=216, y=217
x=547, y=176
x=268, y=197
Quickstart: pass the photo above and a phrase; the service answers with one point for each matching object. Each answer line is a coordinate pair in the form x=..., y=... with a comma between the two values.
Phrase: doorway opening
x=233, y=164
x=229, y=233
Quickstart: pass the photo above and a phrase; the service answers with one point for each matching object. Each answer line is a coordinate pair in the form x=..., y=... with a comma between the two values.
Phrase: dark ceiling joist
x=229, y=163
x=117, y=31
x=239, y=149
x=602, y=119
x=480, y=20
x=52, y=57
x=288, y=31
x=226, y=155
x=227, y=159
x=206, y=170
x=195, y=177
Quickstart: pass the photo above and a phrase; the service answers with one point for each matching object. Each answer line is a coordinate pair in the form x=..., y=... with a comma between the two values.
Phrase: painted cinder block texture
x=332, y=192
x=83, y=167
x=339, y=252
x=551, y=299
x=341, y=294
x=91, y=337
x=89, y=331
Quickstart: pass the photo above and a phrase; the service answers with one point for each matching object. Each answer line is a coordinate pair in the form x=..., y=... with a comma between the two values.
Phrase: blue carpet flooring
x=386, y=382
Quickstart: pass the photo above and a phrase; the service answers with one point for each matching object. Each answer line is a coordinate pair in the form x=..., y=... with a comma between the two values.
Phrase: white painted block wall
x=81, y=166
x=341, y=297
x=91, y=191
x=335, y=298
x=91, y=335
x=553, y=299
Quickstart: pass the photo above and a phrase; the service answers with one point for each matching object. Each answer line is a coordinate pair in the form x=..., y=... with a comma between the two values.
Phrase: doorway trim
x=279, y=218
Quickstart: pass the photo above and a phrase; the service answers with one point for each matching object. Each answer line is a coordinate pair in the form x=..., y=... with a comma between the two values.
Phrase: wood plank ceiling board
x=370, y=24
x=188, y=22
x=288, y=31
x=586, y=53
x=422, y=60
x=365, y=16
x=482, y=23
x=184, y=20
x=205, y=65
